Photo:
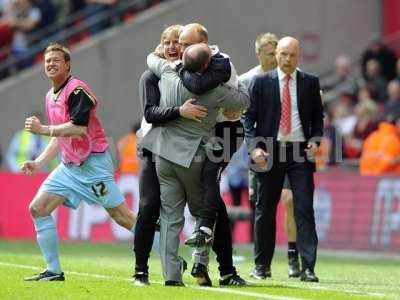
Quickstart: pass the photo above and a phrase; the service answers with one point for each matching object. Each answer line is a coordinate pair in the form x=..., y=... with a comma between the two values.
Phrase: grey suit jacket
x=178, y=140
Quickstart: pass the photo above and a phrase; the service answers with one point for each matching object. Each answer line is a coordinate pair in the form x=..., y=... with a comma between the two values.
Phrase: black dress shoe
x=200, y=272
x=261, y=273
x=174, y=283
x=294, y=268
x=308, y=276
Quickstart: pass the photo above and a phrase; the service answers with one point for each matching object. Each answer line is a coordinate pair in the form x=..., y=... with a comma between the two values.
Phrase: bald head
x=288, y=41
x=191, y=34
x=288, y=54
x=196, y=57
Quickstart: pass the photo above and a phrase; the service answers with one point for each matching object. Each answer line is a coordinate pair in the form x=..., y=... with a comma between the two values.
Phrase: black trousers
x=222, y=245
x=149, y=212
x=231, y=137
x=231, y=134
x=301, y=179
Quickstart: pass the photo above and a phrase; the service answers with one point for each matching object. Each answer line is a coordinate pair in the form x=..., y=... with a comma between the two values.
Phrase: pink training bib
x=75, y=149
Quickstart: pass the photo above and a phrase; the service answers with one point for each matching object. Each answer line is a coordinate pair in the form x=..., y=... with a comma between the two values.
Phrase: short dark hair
x=194, y=61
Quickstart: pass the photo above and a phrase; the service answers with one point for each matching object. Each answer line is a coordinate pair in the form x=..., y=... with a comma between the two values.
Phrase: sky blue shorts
x=92, y=182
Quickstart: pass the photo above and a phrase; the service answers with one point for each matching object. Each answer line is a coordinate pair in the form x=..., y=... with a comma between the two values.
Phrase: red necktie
x=286, y=111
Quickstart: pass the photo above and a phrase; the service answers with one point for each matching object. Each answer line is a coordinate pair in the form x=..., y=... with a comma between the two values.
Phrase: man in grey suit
x=180, y=147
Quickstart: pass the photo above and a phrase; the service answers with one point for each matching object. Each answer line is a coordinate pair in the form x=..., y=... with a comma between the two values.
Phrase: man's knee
x=36, y=209
x=43, y=204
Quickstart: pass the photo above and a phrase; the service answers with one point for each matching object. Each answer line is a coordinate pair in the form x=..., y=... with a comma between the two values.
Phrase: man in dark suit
x=282, y=129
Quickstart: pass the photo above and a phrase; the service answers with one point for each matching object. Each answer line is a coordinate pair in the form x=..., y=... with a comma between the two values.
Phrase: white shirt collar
x=214, y=49
x=281, y=74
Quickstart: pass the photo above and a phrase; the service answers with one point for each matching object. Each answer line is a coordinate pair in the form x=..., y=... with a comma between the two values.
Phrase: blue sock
x=48, y=242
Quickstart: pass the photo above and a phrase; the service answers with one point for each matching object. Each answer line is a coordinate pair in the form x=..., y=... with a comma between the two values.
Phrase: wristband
x=51, y=129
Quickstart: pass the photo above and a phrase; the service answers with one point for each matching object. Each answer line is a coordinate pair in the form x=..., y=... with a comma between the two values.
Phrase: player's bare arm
x=31, y=167
x=33, y=125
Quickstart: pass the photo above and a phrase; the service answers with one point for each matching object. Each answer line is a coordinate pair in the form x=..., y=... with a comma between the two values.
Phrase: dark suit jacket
x=262, y=118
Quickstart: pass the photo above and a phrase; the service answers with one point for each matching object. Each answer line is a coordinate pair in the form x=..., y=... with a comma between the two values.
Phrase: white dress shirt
x=296, y=133
x=232, y=82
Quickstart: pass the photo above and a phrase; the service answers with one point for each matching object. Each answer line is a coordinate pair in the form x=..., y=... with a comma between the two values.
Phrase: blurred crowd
x=23, y=23
x=361, y=102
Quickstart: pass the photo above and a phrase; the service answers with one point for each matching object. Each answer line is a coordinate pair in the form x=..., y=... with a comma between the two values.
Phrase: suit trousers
x=300, y=172
x=149, y=211
x=178, y=186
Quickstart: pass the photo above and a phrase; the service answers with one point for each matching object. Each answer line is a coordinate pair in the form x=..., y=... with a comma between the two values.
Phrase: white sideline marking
x=333, y=289
x=218, y=290
x=311, y=286
x=66, y=272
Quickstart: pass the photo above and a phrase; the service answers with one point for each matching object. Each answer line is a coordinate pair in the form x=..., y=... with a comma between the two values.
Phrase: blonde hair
x=265, y=39
x=173, y=29
x=200, y=30
x=53, y=46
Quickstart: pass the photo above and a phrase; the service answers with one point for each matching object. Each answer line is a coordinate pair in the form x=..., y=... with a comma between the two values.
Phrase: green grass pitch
x=102, y=271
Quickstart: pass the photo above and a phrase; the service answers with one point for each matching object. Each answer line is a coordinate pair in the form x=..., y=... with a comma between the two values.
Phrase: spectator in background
x=374, y=81
x=127, y=152
x=48, y=12
x=363, y=94
x=4, y=6
x=385, y=56
x=23, y=17
x=365, y=112
x=381, y=151
x=76, y=5
x=64, y=9
x=48, y=15
x=340, y=83
x=343, y=117
x=392, y=104
x=94, y=7
x=26, y=146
